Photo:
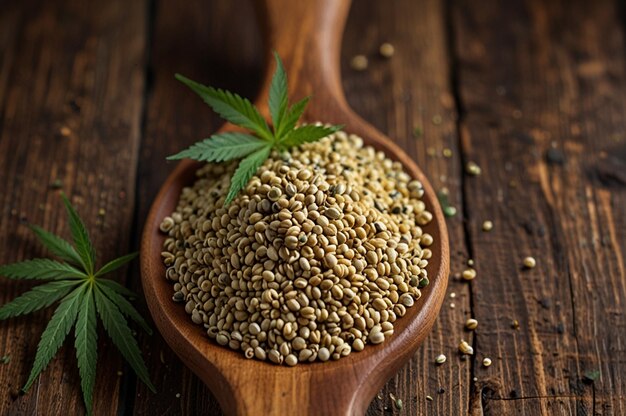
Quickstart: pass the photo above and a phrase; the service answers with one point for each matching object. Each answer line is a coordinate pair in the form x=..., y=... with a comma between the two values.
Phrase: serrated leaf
x=308, y=134
x=57, y=246
x=112, y=284
x=246, y=169
x=221, y=147
x=292, y=117
x=55, y=333
x=37, y=298
x=82, y=242
x=116, y=264
x=116, y=326
x=278, y=95
x=125, y=307
x=231, y=107
x=86, y=344
x=40, y=269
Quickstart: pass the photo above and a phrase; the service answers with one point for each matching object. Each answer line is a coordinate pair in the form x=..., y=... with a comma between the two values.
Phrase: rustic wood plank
x=71, y=86
x=543, y=93
x=409, y=98
x=196, y=39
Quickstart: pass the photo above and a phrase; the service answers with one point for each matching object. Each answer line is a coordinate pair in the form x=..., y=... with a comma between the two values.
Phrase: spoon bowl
x=307, y=36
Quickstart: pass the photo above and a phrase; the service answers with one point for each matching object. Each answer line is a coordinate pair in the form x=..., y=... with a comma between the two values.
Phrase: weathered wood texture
x=543, y=101
x=71, y=97
x=196, y=39
x=525, y=76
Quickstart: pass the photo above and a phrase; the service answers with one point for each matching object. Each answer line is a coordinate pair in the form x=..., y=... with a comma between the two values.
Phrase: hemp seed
x=529, y=262
x=471, y=324
x=312, y=261
x=469, y=274
x=359, y=63
x=465, y=348
x=386, y=50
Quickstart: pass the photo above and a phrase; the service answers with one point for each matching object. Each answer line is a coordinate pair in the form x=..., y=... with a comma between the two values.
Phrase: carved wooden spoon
x=307, y=35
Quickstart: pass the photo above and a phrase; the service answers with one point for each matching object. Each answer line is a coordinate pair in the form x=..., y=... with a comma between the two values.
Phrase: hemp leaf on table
x=254, y=147
x=84, y=296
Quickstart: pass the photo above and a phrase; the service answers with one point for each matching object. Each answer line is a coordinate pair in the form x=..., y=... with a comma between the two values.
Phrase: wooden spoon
x=307, y=35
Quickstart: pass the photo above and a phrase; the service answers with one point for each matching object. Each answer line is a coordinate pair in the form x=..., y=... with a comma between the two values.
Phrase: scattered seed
x=486, y=362
x=465, y=348
x=529, y=262
x=471, y=324
x=178, y=395
x=447, y=152
x=469, y=274
x=429, y=398
x=386, y=50
x=487, y=226
x=452, y=305
x=453, y=295
x=359, y=63
x=102, y=212
x=514, y=324
x=472, y=169
x=398, y=404
x=431, y=151
x=440, y=359
x=470, y=262
x=448, y=210
x=65, y=131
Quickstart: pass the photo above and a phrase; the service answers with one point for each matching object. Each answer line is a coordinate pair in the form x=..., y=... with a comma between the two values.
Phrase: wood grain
x=543, y=104
x=561, y=64
x=71, y=85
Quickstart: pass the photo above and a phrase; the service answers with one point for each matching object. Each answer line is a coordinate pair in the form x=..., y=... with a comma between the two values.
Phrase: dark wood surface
x=533, y=91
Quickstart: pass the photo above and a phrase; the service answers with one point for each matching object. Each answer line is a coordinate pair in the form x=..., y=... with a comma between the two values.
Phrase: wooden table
x=532, y=91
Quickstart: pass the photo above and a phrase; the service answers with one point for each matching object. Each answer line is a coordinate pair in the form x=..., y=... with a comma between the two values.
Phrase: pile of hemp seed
x=317, y=257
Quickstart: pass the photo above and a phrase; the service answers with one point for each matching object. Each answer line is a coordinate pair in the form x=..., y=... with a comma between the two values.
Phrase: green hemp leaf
x=254, y=148
x=83, y=296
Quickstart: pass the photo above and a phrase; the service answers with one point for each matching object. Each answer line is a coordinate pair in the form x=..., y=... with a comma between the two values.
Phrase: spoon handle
x=307, y=36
